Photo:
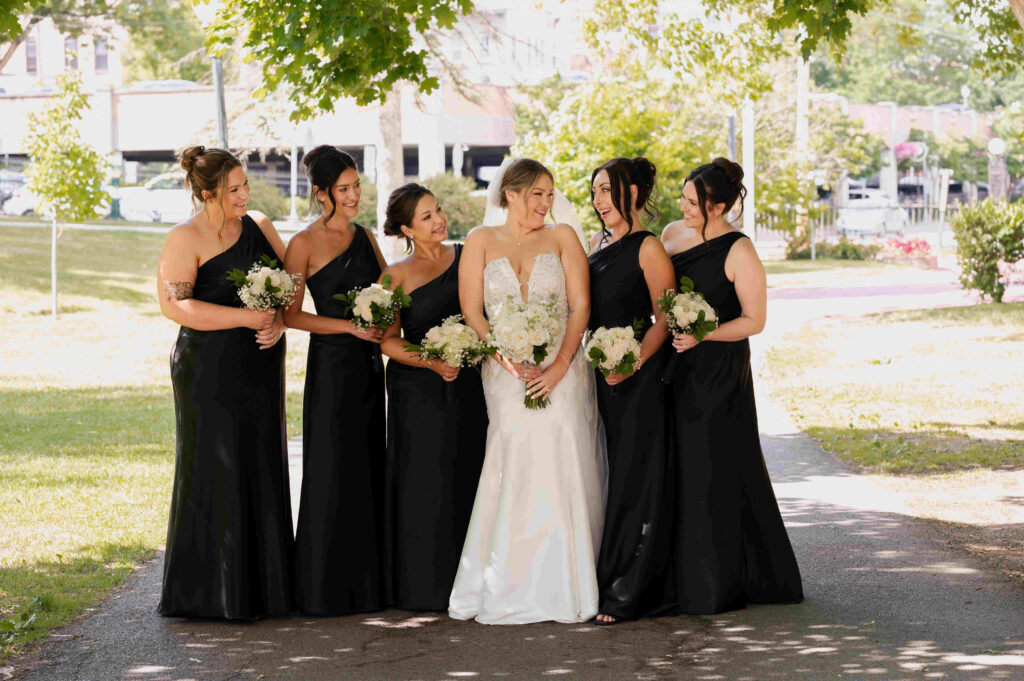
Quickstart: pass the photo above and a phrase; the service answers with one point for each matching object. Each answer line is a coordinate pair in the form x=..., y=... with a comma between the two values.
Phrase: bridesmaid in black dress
x=437, y=418
x=339, y=542
x=732, y=547
x=229, y=539
x=629, y=270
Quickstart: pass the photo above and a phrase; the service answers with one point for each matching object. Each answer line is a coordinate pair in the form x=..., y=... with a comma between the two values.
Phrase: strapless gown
x=535, y=531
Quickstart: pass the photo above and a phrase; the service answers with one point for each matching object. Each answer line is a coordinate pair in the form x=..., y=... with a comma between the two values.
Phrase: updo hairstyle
x=623, y=172
x=206, y=170
x=720, y=181
x=401, y=210
x=324, y=164
x=520, y=175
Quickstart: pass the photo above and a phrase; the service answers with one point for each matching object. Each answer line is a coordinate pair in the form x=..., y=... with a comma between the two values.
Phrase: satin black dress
x=229, y=539
x=633, y=568
x=731, y=545
x=339, y=566
x=436, y=437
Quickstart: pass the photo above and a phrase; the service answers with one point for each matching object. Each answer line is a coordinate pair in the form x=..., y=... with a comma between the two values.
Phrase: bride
x=536, y=525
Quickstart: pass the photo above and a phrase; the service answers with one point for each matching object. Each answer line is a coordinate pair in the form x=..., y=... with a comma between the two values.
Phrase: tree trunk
x=1018, y=11
x=390, y=166
x=12, y=47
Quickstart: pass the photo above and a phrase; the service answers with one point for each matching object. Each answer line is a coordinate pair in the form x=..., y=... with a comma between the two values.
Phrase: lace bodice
x=547, y=279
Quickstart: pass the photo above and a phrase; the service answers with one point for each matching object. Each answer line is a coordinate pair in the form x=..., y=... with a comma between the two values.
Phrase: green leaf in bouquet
x=385, y=281
x=268, y=261
x=665, y=302
x=399, y=296
x=418, y=349
x=539, y=353
x=625, y=367
x=270, y=288
x=685, y=284
x=596, y=357
x=237, y=277
x=638, y=328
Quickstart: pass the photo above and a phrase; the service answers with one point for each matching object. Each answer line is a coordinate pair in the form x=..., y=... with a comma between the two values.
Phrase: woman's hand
x=260, y=319
x=522, y=372
x=614, y=378
x=683, y=341
x=542, y=386
x=268, y=336
x=446, y=372
x=372, y=334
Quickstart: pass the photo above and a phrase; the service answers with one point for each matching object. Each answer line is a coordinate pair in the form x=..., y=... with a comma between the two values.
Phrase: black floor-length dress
x=731, y=545
x=339, y=542
x=229, y=539
x=633, y=568
x=436, y=437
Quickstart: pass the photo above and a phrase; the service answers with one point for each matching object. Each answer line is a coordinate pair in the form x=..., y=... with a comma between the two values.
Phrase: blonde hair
x=521, y=174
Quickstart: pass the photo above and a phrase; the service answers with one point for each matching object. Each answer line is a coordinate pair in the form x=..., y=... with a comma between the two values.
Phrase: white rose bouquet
x=265, y=286
x=523, y=332
x=613, y=350
x=686, y=311
x=375, y=305
x=454, y=343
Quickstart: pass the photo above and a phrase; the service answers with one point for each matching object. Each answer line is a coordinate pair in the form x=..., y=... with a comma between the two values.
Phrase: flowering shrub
x=898, y=245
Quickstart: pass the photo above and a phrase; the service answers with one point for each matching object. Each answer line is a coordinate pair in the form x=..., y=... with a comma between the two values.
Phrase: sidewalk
x=887, y=598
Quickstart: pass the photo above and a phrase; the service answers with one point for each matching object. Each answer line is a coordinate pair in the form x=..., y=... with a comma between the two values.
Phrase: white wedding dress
x=535, y=531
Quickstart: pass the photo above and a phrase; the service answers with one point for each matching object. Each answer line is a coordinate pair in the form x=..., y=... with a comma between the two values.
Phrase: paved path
x=886, y=599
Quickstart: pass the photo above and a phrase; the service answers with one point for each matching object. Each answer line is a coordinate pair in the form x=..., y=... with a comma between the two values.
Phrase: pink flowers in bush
x=907, y=246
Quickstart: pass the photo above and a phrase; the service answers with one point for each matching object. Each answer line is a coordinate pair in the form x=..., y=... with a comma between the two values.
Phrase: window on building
x=31, y=62
x=71, y=53
x=101, y=55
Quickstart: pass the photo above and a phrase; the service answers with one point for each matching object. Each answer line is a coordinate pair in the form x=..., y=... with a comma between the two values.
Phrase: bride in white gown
x=535, y=531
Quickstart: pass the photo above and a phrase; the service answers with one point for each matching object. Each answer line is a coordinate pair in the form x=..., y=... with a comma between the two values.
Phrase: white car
x=23, y=201
x=162, y=199
x=871, y=212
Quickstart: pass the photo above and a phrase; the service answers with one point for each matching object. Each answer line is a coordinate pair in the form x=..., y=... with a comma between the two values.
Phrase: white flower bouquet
x=265, y=286
x=523, y=333
x=454, y=343
x=686, y=311
x=613, y=350
x=375, y=305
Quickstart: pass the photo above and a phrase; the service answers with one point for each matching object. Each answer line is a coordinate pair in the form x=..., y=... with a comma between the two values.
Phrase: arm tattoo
x=179, y=290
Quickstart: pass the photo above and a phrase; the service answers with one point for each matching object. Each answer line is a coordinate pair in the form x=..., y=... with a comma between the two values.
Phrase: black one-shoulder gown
x=436, y=437
x=339, y=564
x=229, y=539
x=731, y=545
x=633, y=568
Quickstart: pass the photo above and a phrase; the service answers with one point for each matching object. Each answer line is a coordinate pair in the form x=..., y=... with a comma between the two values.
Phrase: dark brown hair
x=720, y=181
x=324, y=164
x=623, y=172
x=401, y=210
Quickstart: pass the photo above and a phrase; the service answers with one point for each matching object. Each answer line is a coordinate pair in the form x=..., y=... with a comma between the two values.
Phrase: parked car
x=9, y=182
x=871, y=211
x=23, y=201
x=161, y=199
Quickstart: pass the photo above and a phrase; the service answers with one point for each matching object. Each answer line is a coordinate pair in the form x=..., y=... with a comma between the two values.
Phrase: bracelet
x=639, y=363
x=562, y=357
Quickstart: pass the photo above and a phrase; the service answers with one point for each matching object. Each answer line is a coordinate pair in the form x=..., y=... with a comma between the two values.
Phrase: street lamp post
x=206, y=12
x=997, y=175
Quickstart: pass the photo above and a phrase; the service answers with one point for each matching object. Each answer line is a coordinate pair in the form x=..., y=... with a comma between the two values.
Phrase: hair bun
x=189, y=155
x=732, y=170
x=644, y=170
x=310, y=158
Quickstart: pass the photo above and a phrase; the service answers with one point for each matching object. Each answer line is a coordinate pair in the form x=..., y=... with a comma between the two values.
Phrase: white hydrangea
x=362, y=307
x=685, y=312
x=454, y=343
x=521, y=327
x=257, y=293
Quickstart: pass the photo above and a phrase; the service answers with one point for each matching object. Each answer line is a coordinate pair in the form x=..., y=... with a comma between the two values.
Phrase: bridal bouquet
x=376, y=305
x=686, y=311
x=523, y=332
x=454, y=343
x=266, y=286
x=613, y=350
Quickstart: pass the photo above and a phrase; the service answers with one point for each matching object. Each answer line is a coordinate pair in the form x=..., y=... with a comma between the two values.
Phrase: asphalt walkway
x=887, y=599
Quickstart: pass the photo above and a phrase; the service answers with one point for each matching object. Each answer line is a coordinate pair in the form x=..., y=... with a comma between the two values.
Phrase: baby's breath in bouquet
x=686, y=311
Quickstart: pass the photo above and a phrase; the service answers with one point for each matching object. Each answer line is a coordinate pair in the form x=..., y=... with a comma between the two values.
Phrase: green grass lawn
x=909, y=392
x=86, y=422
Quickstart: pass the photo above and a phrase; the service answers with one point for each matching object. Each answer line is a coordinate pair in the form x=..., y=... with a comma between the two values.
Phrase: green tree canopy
x=359, y=48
